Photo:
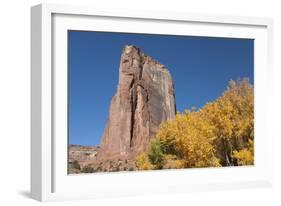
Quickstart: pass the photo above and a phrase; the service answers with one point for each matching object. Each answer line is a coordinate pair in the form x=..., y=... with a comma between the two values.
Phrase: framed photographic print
x=138, y=102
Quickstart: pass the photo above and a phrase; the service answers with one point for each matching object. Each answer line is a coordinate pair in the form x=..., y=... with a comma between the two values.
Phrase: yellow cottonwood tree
x=233, y=118
x=143, y=163
x=190, y=138
x=245, y=156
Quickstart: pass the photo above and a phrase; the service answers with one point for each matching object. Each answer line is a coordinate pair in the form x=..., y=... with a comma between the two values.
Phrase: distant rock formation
x=144, y=99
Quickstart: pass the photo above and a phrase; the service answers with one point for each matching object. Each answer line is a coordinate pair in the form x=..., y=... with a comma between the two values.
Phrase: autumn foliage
x=219, y=134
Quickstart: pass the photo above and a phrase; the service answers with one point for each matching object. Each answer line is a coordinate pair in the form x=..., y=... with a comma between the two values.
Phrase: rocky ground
x=85, y=159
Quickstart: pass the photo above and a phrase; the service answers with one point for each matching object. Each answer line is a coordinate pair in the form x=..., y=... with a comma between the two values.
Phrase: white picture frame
x=49, y=179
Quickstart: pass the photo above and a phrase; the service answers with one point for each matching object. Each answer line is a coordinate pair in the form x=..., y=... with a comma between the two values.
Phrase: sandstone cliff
x=144, y=99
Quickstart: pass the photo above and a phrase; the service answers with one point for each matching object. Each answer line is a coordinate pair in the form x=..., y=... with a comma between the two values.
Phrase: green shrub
x=75, y=164
x=155, y=153
x=87, y=169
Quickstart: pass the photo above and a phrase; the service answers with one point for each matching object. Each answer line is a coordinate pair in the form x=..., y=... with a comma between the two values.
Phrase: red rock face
x=144, y=99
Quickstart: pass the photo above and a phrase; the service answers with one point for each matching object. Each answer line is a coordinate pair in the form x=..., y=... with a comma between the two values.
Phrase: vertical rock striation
x=144, y=99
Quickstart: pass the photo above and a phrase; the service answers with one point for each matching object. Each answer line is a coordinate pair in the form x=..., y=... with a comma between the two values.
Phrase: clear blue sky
x=201, y=68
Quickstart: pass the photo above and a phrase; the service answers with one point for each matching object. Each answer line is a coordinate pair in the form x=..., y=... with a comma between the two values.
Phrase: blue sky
x=201, y=68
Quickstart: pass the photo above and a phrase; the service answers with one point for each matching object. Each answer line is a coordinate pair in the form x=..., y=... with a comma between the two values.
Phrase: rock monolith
x=144, y=99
